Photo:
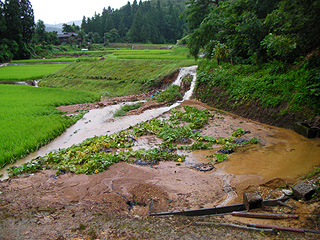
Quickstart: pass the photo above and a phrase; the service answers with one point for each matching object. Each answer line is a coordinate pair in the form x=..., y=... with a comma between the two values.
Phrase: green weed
x=170, y=95
x=126, y=108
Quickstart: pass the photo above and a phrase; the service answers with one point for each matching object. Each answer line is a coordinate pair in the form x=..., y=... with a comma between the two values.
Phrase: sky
x=63, y=11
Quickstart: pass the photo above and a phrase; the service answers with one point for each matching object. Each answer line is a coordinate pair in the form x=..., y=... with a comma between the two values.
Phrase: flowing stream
x=98, y=122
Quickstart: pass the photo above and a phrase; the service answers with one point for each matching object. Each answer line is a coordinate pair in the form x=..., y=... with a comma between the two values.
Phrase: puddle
x=287, y=155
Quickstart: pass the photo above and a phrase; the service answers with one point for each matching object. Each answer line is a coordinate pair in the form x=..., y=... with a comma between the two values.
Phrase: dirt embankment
x=78, y=108
x=277, y=116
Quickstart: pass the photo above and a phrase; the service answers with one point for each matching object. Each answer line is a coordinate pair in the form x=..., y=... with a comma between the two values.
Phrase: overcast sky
x=63, y=11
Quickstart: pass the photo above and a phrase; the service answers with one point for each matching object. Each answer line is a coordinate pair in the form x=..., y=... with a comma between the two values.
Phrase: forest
x=262, y=57
x=152, y=21
x=253, y=31
x=147, y=22
x=16, y=29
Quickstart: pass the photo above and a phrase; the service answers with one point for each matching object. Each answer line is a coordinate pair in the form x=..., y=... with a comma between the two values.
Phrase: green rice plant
x=29, y=119
x=28, y=72
x=46, y=60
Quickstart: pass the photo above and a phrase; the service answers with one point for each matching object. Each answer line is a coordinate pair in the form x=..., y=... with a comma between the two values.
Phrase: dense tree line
x=152, y=21
x=16, y=29
x=254, y=31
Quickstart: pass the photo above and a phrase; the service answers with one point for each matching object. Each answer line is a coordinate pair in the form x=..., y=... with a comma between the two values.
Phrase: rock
x=252, y=200
x=287, y=192
x=303, y=190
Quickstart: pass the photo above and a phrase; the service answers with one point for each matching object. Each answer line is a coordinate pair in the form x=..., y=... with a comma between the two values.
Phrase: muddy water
x=286, y=155
x=100, y=122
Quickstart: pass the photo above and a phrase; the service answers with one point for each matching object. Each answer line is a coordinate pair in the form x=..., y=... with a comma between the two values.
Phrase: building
x=68, y=38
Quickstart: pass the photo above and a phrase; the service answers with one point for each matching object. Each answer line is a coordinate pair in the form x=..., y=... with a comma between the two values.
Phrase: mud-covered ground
x=115, y=204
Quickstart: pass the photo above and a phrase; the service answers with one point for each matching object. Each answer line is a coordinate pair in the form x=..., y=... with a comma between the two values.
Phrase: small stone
x=303, y=190
x=252, y=200
x=287, y=192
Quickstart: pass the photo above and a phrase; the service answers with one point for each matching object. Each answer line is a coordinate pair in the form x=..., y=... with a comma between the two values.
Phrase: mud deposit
x=114, y=204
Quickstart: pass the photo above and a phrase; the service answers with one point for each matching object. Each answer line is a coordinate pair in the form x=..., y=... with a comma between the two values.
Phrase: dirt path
x=114, y=204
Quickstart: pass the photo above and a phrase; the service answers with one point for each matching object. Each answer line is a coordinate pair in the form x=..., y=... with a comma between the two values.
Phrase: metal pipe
x=276, y=227
x=264, y=215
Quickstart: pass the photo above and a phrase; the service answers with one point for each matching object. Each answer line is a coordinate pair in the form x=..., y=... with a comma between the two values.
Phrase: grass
x=28, y=72
x=114, y=77
x=171, y=95
x=272, y=85
x=29, y=119
x=126, y=108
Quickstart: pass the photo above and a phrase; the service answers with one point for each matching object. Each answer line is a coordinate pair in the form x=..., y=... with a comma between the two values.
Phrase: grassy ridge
x=281, y=90
x=114, y=77
x=27, y=72
x=29, y=119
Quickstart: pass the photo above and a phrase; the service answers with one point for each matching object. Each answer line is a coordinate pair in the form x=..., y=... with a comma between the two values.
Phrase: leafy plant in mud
x=196, y=117
x=172, y=134
x=96, y=154
x=153, y=126
x=197, y=146
x=220, y=157
x=238, y=132
x=30, y=167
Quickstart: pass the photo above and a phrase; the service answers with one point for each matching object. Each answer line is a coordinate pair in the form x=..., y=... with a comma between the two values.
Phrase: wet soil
x=114, y=204
x=254, y=110
x=77, y=108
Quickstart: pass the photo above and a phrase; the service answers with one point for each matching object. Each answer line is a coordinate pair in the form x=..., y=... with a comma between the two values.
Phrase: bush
x=170, y=95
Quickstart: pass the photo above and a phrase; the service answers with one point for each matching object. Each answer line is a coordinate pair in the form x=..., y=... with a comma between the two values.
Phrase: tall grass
x=114, y=77
x=28, y=72
x=272, y=85
x=29, y=119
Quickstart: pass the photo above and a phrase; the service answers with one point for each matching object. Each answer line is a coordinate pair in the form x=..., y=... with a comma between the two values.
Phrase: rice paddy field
x=29, y=119
x=28, y=72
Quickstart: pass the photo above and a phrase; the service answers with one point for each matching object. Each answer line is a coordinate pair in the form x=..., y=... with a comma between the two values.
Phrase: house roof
x=67, y=35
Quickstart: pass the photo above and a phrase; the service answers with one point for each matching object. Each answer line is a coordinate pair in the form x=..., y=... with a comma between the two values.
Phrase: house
x=68, y=38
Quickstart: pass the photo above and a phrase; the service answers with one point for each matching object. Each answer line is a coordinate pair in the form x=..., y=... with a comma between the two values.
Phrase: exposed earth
x=115, y=204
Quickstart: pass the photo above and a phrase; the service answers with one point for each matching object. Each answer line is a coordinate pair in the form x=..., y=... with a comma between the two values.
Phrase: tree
x=27, y=20
x=114, y=35
x=96, y=38
x=146, y=21
x=19, y=19
x=66, y=28
x=3, y=27
x=40, y=34
x=196, y=12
